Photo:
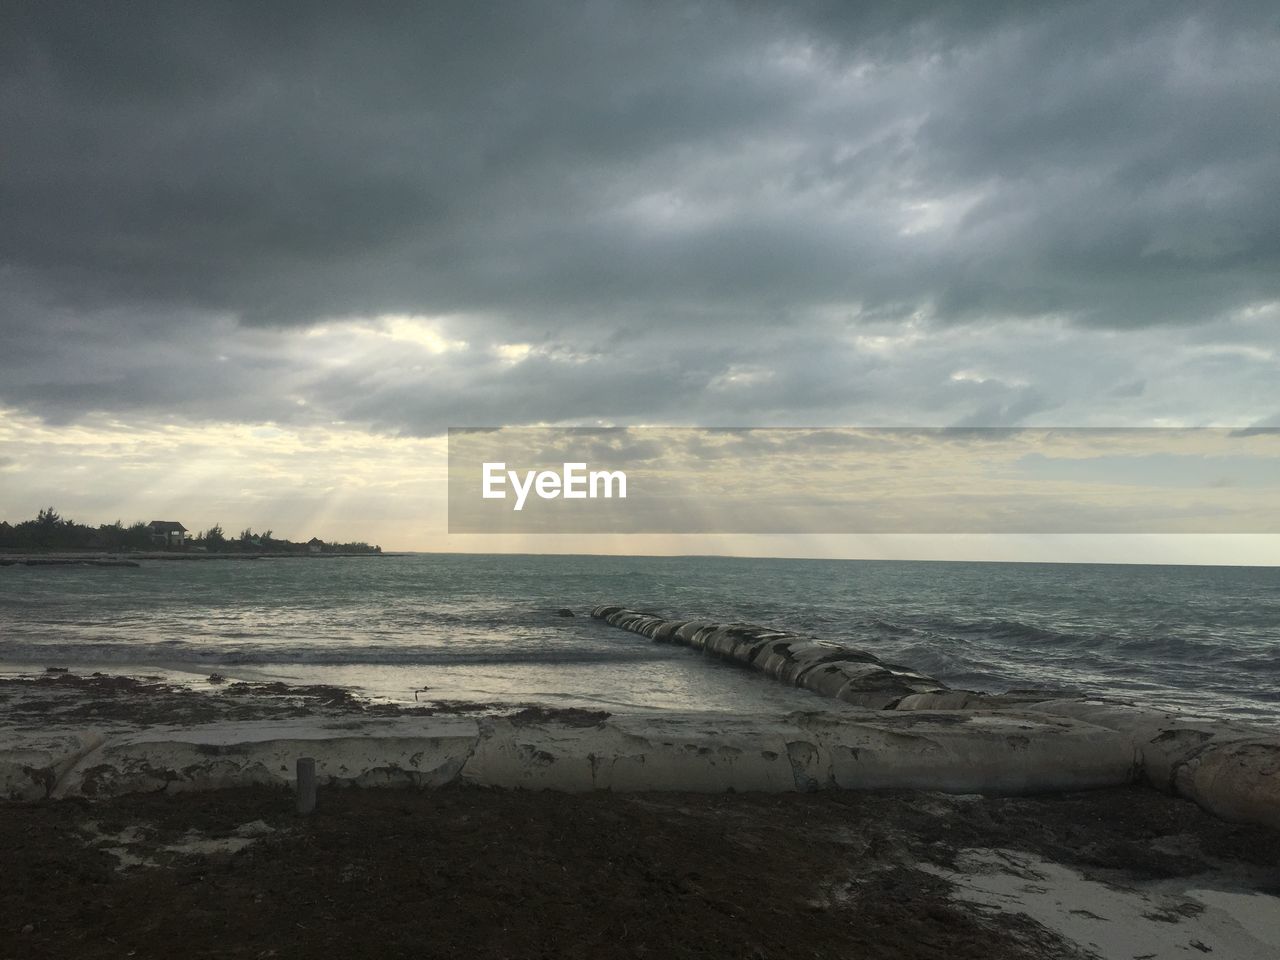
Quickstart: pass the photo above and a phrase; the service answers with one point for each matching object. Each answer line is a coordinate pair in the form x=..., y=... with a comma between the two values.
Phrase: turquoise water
x=468, y=626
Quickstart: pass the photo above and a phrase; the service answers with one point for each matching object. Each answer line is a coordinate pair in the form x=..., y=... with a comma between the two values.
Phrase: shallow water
x=484, y=627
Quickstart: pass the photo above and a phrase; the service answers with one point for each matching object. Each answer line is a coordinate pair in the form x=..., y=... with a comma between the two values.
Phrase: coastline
x=100, y=558
x=144, y=793
x=63, y=735
x=911, y=818
x=889, y=727
x=104, y=736
x=384, y=628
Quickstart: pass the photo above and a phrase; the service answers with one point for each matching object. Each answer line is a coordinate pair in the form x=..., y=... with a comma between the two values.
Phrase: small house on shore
x=167, y=533
x=315, y=545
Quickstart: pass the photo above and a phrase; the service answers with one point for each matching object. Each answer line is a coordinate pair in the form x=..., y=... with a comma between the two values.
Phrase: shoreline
x=145, y=813
x=107, y=558
x=873, y=725
x=11, y=554
x=63, y=735
x=66, y=735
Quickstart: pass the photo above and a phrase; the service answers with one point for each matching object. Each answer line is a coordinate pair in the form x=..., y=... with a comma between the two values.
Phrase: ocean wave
x=1201, y=637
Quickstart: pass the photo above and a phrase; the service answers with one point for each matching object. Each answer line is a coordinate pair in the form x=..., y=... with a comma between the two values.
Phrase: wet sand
x=61, y=698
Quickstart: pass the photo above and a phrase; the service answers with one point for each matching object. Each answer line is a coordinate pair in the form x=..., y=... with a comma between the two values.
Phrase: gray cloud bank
x=895, y=481
x=975, y=214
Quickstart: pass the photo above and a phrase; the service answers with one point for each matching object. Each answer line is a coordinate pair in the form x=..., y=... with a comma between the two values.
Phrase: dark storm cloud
x=689, y=210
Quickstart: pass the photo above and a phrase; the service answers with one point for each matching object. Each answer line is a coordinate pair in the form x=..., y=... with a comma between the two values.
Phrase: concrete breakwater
x=881, y=726
x=1231, y=769
x=829, y=669
x=1057, y=746
x=684, y=752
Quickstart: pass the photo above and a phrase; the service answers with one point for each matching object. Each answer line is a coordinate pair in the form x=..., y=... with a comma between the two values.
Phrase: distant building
x=167, y=533
x=315, y=544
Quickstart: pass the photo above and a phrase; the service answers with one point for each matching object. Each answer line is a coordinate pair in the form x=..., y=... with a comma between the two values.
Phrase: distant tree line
x=50, y=531
x=214, y=539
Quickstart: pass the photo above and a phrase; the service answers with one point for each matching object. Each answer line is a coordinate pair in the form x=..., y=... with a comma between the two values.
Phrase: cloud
x=724, y=213
x=803, y=481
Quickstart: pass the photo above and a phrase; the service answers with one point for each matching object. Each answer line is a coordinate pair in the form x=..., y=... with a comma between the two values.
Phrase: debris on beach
x=609, y=876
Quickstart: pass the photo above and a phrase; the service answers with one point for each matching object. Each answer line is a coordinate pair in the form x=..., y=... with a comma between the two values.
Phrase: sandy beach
x=468, y=871
x=491, y=873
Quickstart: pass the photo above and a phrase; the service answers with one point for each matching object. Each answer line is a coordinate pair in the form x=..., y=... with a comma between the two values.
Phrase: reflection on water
x=484, y=627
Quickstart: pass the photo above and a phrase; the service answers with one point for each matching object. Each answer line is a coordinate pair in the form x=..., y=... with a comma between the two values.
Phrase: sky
x=256, y=259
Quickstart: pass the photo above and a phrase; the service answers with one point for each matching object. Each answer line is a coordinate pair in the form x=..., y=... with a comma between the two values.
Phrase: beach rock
x=564, y=612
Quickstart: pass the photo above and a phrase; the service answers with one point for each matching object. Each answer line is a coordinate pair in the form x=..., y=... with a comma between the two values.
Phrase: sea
x=431, y=627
